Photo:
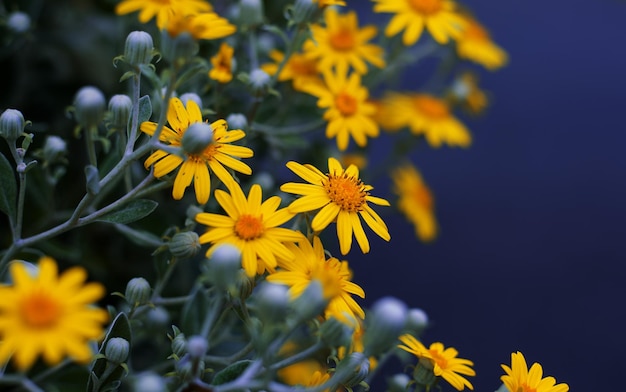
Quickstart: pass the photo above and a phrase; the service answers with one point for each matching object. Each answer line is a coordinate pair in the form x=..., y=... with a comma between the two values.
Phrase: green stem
x=172, y=301
x=134, y=122
x=91, y=146
x=225, y=361
x=297, y=357
x=20, y=206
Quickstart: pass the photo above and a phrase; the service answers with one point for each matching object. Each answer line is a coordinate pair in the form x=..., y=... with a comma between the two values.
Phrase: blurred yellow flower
x=475, y=44
x=415, y=201
x=307, y=373
x=519, y=378
x=205, y=25
x=340, y=196
x=326, y=3
x=342, y=44
x=444, y=360
x=465, y=92
x=222, y=63
x=250, y=225
x=195, y=166
x=49, y=314
x=161, y=9
x=300, y=69
x=439, y=17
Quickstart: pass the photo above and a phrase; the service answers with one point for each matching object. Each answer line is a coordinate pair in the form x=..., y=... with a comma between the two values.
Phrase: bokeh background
x=531, y=252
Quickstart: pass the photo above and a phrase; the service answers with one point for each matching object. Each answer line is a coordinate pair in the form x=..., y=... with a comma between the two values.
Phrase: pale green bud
x=417, y=321
x=139, y=48
x=117, y=350
x=138, y=291
x=272, y=301
x=54, y=148
x=184, y=244
x=197, y=346
x=197, y=137
x=259, y=81
x=237, y=121
x=186, y=97
x=384, y=323
x=18, y=22
x=302, y=11
x=11, y=124
x=311, y=303
x=423, y=373
x=149, y=382
x=245, y=286
x=120, y=107
x=224, y=266
x=398, y=383
x=89, y=104
x=335, y=333
x=251, y=12
x=179, y=345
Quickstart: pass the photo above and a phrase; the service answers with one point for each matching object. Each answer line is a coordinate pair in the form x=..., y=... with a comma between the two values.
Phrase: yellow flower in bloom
x=300, y=69
x=162, y=9
x=440, y=18
x=466, y=92
x=475, y=44
x=251, y=226
x=444, y=361
x=205, y=25
x=430, y=116
x=310, y=264
x=347, y=110
x=307, y=373
x=326, y=3
x=195, y=167
x=340, y=195
x=519, y=378
x=342, y=44
x=49, y=314
x=222, y=62
x=415, y=201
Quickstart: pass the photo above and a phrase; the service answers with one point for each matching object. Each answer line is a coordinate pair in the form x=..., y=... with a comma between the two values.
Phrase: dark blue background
x=531, y=255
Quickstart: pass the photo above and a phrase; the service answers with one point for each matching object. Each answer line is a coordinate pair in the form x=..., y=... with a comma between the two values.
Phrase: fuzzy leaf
x=231, y=372
x=133, y=211
x=194, y=311
x=145, y=108
x=8, y=190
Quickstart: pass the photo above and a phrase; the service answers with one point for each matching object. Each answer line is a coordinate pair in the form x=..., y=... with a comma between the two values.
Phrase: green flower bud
x=197, y=346
x=120, y=107
x=184, y=245
x=157, y=318
x=116, y=350
x=224, y=266
x=335, y=333
x=423, y=373
x=417, y=321
x=354, y=368
x=245, y=286
x=251, y=12
x=259, y=81
x=179, y=345
x=178, y=49
x=11, y=124
x=54, y=148
x=237, y=121
x=139, y=48
x=311, y=303
x=18, y=22
x=197, y=137
x=273, y=302
x=398, y=383
x=138, y=291
x=149, y=382
x=89, y=106
x=384, y=323
x=186, y=97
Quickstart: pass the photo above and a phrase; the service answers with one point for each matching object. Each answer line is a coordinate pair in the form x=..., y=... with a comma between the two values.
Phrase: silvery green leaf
x=130, y=212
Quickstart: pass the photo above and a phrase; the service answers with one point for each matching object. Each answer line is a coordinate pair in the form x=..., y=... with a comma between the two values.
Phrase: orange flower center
x=346, y=104
x=476, y=32
x=439, y=359
x=423, y=197
x=326, y=274
x=302, y=66
x=431, y=106
x=525, y=388
x=343, y=40
x=426, y=7
x=347, y=192
x=39, y=310
x=249, y=227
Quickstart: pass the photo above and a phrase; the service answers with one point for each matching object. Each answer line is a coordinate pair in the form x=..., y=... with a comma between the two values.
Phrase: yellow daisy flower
x=444, y=361
x=342, y=44
x=222, y=62
x=195, y=167
x=49, y=314
x=415, y=201
x=475, y=44
x=430, y=116
x=440, y=18
x=161, y=9
x=519, y=378
x=300, y=69
x=307, y=373
x=341, y=196
x=251, y=226
x=347, y=110
x=205, y=25
x=310, y=264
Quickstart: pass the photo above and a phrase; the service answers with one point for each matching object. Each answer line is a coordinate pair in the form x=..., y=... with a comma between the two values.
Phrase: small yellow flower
x=310, y=264
x=307, y=373
x=300, y=69
x=347, y=110
x=519, y=378
x=475, y=44
x=161, y=9
x=222, y=62
x=205, y=25
x=444, y=360
x=250, y=225
x=415, y=201
x=339, y=195
x=49, y=314
x=195, y=167
x=439, y=17
x=342, y=44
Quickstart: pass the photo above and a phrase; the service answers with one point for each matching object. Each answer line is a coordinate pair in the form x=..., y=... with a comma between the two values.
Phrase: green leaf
x=145, y=109
x=130, y=212
x=120, y=328
x=8, y=190
x=140, y=237
x=231, y=372
x=195, y=311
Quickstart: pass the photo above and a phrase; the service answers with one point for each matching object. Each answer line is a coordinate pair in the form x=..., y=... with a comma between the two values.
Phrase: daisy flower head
x=299, y=68
x=415, y=201
x=161, y=9
x=222, y=62
x=250, y=225
x=475, y=44
x=439, y=17
x=310, y=263
x=307, y=373
x=49, y=314
x=444, y=361
x=195, y=165
x=348, y=112
x=519, y=378
x=342, y=44
x=203, y=25
x=340, y=196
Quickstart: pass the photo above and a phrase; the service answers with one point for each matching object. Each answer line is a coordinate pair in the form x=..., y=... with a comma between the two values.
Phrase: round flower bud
x=197, y=346
x=311, y=303
x=186, y=97
x=54, y=148
x=335, y=333
x=89, y=106
x=398, y=383
x=237, y=121
x=273, y=302
x=116, y=350
x=179, y=345
x=259, y=81
x=184, y=244
x=224, y=266
x=139, y=48
x=303, y=11
x=157, y=318
x=138, y=291
x=245, y=286
x=18, y=22
x=179, y=48
x=417, y=320
x=149, y=382
x=251, y=12
x=264, y=179
x=385, y=322
x=197, y=137
x=120, y=106
x=423, y=373
x=354, y=368
x=11, y=124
